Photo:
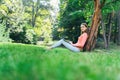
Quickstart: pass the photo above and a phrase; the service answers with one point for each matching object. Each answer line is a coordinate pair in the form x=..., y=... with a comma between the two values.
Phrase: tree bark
x=33, y=13
x=35, y=9
x=110, y=28
x=104, y=33
x=94, y=27
x=115, y=33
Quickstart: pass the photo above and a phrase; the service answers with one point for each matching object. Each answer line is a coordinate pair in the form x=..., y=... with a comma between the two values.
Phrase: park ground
x=31, y=62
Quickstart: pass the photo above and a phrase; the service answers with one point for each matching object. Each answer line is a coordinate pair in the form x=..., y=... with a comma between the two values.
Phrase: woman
x=77, y=47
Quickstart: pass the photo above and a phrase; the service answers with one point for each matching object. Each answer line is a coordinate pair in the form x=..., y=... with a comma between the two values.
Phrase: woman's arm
x=81, y=41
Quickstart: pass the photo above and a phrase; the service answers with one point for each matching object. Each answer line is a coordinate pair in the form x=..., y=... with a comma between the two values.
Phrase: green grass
x=29, y=62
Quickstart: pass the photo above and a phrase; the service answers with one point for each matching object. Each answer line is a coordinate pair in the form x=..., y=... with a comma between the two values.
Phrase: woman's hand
x=71, y=43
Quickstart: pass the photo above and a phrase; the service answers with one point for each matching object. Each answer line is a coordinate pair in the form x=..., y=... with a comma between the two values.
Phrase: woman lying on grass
x=77, y=47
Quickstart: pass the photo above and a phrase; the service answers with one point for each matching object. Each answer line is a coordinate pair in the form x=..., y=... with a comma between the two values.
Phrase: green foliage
x=71, y=19
x=18, y=35
x=3, y=11
x=35, y=15
x=43, y=22
x=30, y=36
x=4, y=34
x=20, y=14
x=88, y=12
x=75, y=12
x=26, y=62
x=23, y=35
x=111, y=6
x=56, y=33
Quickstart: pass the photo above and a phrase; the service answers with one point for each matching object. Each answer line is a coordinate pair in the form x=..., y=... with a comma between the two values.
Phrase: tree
x=118, y=19
x=26, y=19
x=94, y=27
x=35, y=9
x=71, y=16
x=98, y=5
x=107, y=29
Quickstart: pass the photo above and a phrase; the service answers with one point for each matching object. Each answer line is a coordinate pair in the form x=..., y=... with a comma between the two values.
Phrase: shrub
x=4, y=34
x=21, y=34
x=18, y=34
x=30, y=36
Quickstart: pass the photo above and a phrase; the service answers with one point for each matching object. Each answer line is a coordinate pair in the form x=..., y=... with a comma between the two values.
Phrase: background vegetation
x=29, y=21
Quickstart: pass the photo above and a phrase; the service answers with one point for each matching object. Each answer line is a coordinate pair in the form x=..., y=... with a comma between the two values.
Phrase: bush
x=30, y=36
x=4, y=34
x=21, y=34
x=18, y=34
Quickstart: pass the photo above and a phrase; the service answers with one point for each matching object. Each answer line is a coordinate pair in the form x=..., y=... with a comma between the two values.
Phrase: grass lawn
x=29, y=62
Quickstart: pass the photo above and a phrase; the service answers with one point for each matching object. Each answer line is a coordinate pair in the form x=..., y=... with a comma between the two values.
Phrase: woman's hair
x=87, y=30
x=84, y=24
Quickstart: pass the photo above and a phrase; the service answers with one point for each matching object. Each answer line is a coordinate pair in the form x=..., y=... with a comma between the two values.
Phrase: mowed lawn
x=30, y=62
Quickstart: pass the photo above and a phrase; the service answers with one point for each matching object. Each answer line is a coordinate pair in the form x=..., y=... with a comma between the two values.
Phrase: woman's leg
x=70, y=47
x=57, y=44
x=67, y=45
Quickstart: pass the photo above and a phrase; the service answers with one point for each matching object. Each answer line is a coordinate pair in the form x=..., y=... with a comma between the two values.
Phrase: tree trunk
x=118, y=28
x=104, y=34
x=33, y=13
x=35, y=9
x=115, y=38
x=94, y=27
x=110, y=28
